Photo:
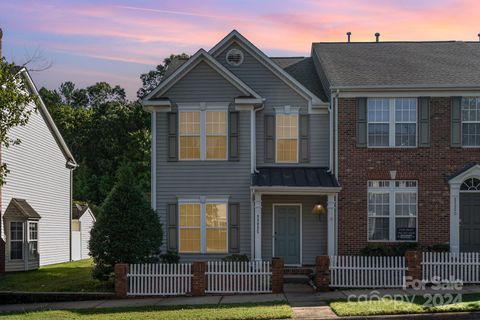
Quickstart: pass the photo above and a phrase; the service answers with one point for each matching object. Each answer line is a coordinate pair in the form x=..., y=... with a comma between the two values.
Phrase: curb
x=15, y=297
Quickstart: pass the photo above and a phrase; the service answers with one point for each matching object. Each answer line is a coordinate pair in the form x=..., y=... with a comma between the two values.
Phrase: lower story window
x=33, y=238
x=16, y=240
x=392, y=210
x=203, y=227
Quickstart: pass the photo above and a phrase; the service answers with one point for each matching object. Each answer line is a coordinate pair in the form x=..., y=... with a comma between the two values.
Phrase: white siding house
x=40, y=175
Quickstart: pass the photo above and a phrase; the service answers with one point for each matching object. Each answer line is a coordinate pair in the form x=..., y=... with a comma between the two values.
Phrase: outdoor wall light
x=318, y=208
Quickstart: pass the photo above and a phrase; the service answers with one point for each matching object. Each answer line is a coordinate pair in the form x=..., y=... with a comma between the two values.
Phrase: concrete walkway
x=306, y=304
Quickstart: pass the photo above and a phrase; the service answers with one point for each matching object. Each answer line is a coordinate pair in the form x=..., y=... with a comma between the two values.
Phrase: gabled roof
x=440, y=64
x=294, y=177
x=79, y=210
x=71, y=163
x=269, y=63
x=22, y=207
x=464, y=170
x=184, y=68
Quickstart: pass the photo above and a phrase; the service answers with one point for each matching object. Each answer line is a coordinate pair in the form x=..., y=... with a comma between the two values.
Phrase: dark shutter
x=233, y=228
x=172, y=227
x=362, y=122
x=172, y=139
x=233, y=136
x=424, y=122
x=456, y=121
x=269, y=138
x=303, y=139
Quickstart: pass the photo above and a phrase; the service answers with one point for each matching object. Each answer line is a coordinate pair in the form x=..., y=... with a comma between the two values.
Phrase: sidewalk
x=306, y=304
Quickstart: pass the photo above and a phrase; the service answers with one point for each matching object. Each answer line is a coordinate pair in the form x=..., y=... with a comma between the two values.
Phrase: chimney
x=348, y=36
x=1, y=36
x=377, y=37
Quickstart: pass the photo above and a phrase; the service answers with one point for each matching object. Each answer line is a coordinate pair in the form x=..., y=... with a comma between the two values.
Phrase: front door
x=470, y=222
x=287, y=233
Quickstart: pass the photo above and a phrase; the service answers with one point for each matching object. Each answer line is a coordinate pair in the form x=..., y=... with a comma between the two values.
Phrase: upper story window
x=392, y=122
x=471, y=122
x=392, y=210
x=203, y=134
x=286, y=129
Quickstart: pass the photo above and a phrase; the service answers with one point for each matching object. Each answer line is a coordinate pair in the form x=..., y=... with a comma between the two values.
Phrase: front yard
x=469, y=302
x=72, y=276
x=211, y=312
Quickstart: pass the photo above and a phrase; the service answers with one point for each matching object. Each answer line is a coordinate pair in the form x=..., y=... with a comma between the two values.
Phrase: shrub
x=127, y=230
x=170, y=257
x=439, y=247
x=236, y=258
x=380, y=249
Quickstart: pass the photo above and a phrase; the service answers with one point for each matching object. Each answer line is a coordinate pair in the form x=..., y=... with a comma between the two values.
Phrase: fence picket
x=446, y=266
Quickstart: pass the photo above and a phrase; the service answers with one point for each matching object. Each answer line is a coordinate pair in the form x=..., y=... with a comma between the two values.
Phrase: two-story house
x=240, y=154
x=247, y=149
x=407, y=147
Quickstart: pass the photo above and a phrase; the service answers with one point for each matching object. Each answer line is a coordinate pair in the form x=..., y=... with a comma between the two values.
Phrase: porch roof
x=294, y=177
x=21, y=208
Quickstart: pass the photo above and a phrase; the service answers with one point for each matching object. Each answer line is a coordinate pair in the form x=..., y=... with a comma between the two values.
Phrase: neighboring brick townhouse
x=304, y=156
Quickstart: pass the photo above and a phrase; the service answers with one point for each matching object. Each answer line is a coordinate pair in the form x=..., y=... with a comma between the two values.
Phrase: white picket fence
x=446, y=266
x=367, y=272
x=159, y=279
x=238, y=277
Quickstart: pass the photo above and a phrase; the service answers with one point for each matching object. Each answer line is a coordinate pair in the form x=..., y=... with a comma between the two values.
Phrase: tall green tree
x=152, y=79
x=16, y=103
x=127, y=230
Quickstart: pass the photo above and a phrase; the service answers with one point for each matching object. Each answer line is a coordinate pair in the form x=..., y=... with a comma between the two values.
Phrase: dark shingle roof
x=447, y=63
x=284, y=62
x=294, y=177
x=21, y=208
x=78, y=210
x=174, y=65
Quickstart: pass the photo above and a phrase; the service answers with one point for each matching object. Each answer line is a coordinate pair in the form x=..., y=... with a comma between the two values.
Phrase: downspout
x=336, y=168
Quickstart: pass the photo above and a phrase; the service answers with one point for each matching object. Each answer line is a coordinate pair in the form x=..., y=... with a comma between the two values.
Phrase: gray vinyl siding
x=314, y=227
x=202, y=84
x=38, y=175
x=205, y=178
x=278, y=94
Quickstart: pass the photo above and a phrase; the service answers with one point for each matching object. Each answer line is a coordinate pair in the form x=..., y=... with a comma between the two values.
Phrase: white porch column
x=257, y=204
x=455, y=217
x=331, y=224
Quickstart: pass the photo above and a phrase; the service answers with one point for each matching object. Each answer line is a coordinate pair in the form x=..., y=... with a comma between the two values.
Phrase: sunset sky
x=116, y=40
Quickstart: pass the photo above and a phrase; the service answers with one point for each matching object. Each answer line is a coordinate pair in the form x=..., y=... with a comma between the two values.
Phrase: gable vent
x=234, y=57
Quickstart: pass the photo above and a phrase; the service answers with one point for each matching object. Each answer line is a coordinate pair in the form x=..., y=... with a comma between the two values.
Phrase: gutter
x=407, y=88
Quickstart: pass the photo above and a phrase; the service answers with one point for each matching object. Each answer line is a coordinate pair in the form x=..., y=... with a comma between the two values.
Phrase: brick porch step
x=297, y=271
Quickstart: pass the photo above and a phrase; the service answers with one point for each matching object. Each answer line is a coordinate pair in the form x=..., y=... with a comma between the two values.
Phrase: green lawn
x=212, y=312
x=470, y=302
x=63, y=277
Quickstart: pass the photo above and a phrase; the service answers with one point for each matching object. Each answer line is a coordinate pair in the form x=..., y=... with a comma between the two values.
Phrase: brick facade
x=429, y=166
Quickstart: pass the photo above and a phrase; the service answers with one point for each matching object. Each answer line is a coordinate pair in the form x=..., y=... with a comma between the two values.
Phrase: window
x=203, y=227
x=287, y=137
x=203, y=135
x=16, y=240
x=392, y=210
x=471, y=122
x=190, y=135
x=33, y=238
x=392, y=122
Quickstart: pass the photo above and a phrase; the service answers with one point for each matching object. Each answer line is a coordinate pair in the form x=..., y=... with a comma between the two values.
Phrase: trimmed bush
x=127, y=230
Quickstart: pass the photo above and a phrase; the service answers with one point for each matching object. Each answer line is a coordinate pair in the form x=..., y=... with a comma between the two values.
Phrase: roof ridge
x=400, y=41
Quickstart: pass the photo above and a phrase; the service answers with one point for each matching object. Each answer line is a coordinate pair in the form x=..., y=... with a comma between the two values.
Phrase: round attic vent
x=234, y=57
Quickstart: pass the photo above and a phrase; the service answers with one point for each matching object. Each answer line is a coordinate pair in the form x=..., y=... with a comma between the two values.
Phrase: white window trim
x=202, y=108
x=391, y=126
x=28, y=234
x=287, y=110
x=467, y=121
x=392, y=190
x=203, y=201
x=10, y=240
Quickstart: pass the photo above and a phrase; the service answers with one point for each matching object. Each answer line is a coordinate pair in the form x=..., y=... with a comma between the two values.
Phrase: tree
x=151, y=79
x=17, y=104
x=127, y=229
